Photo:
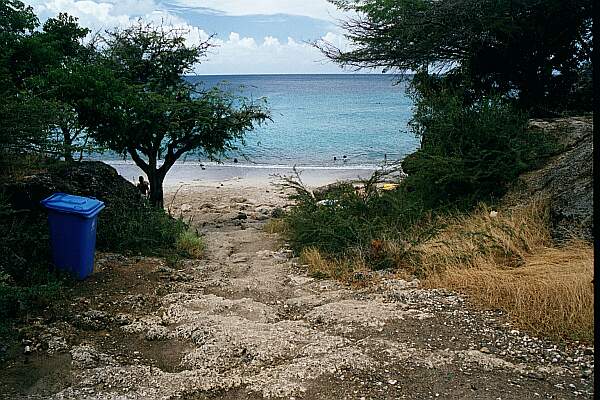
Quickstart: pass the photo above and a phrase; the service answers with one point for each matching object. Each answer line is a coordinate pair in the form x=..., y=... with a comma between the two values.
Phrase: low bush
x=138, y=229
x=470, y=152
x=27, y=281
x=343, y=219
x=190, y=244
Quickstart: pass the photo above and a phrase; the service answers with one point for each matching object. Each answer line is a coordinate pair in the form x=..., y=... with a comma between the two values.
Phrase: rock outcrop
x=566, y=179
x=88, y=178
x=24, y=230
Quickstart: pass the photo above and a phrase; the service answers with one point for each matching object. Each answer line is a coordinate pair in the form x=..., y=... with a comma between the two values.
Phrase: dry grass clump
x=509, y=262
x=275, y=225
x=551, y=294
x=477, y=239
x=353, y=271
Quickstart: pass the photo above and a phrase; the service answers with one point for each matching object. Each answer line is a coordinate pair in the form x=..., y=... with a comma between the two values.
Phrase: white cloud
x=234, y=55
x=271, y=41
x=98, y=15
x=270, y=56
x=321, y=9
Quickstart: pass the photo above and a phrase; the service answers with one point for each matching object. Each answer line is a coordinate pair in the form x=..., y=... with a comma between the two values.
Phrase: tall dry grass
x=550, y=295
x=504, y=261
x=476, y=239
x=275, y=225
x=509, y=262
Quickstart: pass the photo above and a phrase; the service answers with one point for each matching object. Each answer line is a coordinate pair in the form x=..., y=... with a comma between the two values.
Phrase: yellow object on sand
x=390, y=186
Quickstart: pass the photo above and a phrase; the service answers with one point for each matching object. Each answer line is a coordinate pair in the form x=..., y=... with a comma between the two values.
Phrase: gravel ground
x=246, y=322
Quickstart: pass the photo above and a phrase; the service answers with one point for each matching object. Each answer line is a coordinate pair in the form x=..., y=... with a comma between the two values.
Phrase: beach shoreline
x=243, y=175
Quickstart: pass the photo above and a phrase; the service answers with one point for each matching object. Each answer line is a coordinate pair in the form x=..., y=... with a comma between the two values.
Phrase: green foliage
x=15, y=19
x=17, y=302
x=23, y=120
x=190, y=244
x=38, y=72
x=536, y=51
x=342, y=219
x=138, y=230
x=140, y=105
x=470, y=152
x=26, y=280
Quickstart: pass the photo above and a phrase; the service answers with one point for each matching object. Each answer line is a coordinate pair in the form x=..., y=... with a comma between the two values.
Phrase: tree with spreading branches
x=536, y=51
x=141, y=106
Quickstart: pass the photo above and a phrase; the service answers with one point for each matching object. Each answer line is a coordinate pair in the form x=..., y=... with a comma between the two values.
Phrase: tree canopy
x=140, y=104
x=23, y=122
x=37, y=69
x=538, y=51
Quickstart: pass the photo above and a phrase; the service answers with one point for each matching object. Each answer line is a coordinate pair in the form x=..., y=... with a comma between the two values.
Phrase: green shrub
x=191, y=244
x=17, y=302
x=27, y=283
x=350, y=220
x=143, y=230
x=470, y=152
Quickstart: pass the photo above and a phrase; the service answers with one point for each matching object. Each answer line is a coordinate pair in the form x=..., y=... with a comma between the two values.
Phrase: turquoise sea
x=319, y=117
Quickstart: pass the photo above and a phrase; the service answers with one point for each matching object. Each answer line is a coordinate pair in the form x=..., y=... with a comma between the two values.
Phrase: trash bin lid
x=68, y=203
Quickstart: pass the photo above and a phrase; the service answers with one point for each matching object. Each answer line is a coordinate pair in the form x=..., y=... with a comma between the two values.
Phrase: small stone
x=238, y=258
x=586, y=373
x=484, y=350
x=535, y=375
x=241, y=216
x=392, y=381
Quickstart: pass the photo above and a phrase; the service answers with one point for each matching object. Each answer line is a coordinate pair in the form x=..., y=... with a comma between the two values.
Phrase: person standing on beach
x=143, y=186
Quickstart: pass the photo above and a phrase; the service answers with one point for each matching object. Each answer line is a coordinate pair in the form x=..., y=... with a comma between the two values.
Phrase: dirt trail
x=247, y=323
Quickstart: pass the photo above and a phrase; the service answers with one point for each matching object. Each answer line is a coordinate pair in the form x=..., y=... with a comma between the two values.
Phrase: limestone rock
x=566, y=179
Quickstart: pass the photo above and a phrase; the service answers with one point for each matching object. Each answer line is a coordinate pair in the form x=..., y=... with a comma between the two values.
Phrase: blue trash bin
x=72, y=221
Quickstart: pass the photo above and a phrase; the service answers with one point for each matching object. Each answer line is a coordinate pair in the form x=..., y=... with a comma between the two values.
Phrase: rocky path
x=247, y=323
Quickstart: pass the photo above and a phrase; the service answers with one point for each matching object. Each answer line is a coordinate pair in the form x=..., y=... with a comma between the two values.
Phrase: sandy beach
x=242, y=175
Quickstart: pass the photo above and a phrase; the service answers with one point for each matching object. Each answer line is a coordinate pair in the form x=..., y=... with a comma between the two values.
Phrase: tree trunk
x=156, y=176
x=156, y=179
x=67, y=145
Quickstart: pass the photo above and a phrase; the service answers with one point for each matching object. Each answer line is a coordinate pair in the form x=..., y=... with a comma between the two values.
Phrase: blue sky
x=251, y=36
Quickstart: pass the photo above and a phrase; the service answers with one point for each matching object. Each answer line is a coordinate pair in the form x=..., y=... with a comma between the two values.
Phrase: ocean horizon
x=319, y=120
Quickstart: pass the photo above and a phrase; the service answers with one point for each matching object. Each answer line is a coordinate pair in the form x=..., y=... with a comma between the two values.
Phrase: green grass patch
x=191, y=244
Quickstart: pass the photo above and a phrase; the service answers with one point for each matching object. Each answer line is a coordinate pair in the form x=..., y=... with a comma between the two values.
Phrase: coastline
x=244, y=175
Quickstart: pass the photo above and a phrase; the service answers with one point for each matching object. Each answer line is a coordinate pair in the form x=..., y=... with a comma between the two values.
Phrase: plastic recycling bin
x=72, y=221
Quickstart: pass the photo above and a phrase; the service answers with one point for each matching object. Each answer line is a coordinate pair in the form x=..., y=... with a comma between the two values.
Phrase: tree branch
x=139, y=161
